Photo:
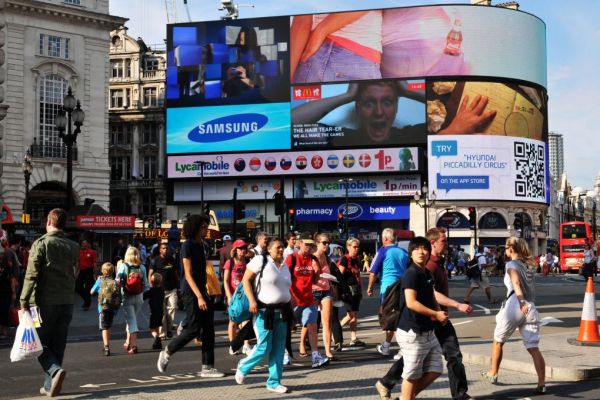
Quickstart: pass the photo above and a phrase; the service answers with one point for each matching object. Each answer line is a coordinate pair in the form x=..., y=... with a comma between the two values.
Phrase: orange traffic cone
x=588, y=330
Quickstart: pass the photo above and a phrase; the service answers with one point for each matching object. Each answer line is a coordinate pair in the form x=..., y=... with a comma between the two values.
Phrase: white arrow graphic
x=549, y=320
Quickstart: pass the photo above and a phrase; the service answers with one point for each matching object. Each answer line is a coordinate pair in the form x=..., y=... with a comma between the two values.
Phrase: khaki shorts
x=484, y=282
x=421, y=353
x=510, y=318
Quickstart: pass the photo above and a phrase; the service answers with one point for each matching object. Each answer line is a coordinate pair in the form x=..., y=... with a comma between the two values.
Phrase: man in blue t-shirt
x=389, y=264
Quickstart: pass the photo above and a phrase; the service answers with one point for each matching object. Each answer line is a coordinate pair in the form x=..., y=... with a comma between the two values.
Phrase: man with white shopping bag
x=49, y=284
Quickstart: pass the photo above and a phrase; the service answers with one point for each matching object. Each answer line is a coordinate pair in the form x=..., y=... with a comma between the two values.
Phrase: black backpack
x=473, y=271
x=391, y=307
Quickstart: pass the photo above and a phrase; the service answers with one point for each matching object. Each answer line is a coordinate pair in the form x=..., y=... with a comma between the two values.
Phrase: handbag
x=213, y=287
x=27, y=342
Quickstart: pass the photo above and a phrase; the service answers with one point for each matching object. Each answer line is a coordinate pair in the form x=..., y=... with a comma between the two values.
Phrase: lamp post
x=202, y=185
x=27, y=170
x=265, y=227
x=425, y=200
x=346, y=184
x=71, y=113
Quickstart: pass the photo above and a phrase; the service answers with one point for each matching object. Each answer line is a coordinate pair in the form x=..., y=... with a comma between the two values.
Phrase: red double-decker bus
x=573, y=238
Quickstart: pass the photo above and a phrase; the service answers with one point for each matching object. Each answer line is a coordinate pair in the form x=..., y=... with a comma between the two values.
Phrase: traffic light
x=158, y=216
x=239, y=211
x=518, y=224
x=292, y=219
x=279, y=203
x=472, y=217
x=206, y=209
x=340, y=222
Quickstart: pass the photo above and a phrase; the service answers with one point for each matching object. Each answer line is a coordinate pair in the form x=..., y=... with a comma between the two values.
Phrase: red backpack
x=133, y=281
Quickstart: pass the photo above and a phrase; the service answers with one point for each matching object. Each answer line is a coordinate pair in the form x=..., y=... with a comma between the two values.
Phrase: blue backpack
x=239, y=307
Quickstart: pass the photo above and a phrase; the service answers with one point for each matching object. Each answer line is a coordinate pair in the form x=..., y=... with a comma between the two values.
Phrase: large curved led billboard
x=318, y=93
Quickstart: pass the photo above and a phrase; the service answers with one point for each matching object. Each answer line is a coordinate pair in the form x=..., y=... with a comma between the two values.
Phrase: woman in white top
x=518, y=311
x=268, y=292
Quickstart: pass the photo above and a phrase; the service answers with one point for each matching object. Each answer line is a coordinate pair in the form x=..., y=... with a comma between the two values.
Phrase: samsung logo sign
x=354, y=210
x=228, y=128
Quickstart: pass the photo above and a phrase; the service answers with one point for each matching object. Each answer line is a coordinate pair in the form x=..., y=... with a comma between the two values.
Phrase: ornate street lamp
x=27, y=170
x=71, y=113
x=425, y=200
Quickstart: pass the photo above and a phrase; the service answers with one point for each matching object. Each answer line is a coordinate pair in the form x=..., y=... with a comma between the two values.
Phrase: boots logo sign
x=227, y=128
x=354, y=210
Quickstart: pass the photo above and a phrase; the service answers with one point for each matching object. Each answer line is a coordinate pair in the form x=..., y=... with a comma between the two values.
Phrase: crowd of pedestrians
x=292, y=287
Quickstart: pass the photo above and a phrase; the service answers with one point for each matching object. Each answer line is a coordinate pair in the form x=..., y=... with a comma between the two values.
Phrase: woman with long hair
x=234, y=270
x=349, y=266
x=267, y=285
x=322, y=289
x=518, y=311
x=133, y=280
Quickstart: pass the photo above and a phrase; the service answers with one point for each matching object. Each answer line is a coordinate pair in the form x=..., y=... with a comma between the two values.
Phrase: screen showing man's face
x=376, y=109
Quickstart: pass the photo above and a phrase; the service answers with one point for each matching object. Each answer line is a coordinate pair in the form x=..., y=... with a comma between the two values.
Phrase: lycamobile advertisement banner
x=299, y=188
x=391, y=160
x=488, y=168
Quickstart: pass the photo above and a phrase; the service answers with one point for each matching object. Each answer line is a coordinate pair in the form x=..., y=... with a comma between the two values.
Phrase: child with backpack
x=133, y=278
x=156, y=299
x=109, y=301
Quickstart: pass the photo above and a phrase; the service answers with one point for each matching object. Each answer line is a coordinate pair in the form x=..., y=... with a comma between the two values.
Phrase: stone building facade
x=137, y=126
x=51, y=46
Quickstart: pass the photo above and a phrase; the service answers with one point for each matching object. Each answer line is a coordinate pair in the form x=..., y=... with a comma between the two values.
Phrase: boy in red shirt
x=305, y=271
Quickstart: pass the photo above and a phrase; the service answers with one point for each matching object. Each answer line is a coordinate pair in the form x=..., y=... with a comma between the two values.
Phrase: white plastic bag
x=27, y=342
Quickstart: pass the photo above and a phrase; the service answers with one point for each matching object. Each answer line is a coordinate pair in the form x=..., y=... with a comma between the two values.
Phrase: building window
x=116, y=68
x=150, y=98
x=149, y=134
x=52, y=91
x=120, y=168
x=120, y=134
x=151, y=65
x=148, y=203
x=55, y=46
x=73, y=2
x=128, y=68
x=116, y=98
x=149, y=167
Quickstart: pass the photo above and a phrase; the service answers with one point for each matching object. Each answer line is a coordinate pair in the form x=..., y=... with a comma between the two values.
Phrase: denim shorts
x=334, y=63
x=306, y=314
x=322, y=294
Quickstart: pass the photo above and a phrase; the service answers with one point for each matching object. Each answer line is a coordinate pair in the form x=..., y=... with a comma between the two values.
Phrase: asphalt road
x=558, y=298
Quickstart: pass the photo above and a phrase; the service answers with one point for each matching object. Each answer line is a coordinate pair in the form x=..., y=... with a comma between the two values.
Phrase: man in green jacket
x=50, y=284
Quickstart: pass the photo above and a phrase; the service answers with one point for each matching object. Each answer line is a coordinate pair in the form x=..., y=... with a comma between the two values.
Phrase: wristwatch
x=522, y=301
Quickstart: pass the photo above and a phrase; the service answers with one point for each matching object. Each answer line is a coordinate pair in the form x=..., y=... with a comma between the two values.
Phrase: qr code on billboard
x=530, y=178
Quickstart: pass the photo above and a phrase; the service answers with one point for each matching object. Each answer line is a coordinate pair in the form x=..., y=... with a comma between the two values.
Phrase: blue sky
x=573, y=37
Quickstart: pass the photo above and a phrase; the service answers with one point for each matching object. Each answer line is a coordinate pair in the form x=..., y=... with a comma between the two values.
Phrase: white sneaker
x=247, y=349
x=278, y=389
x=233, y=353
x=239, y=377
x=384, y=350
x=286, y=359
x=211, y=373
x=319, y=361
x=163, y=361
x=398, y=355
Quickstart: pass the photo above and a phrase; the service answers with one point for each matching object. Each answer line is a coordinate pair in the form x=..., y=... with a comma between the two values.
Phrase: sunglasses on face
x=325, y=243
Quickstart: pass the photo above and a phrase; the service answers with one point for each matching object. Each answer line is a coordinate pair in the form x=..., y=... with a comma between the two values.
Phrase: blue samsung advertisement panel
x=357, y=210
x=228, y=128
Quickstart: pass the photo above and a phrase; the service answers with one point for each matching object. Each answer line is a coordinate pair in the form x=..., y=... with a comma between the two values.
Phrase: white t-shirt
x=288, y=250
x=275, y=283
x=366, y=31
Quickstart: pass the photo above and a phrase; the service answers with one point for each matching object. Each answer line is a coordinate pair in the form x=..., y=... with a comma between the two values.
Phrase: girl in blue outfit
x=133, y=279
x=268, y=293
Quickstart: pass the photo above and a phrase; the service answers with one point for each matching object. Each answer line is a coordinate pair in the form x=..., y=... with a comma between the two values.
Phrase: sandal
x=491, y=379
x=133, y=350
x=303, y=354
x=126, y=346
x=540, y=389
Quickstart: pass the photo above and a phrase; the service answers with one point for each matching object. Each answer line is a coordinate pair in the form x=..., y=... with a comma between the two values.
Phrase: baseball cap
x=307, y=241
x=239, y=243
x=226, y=237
